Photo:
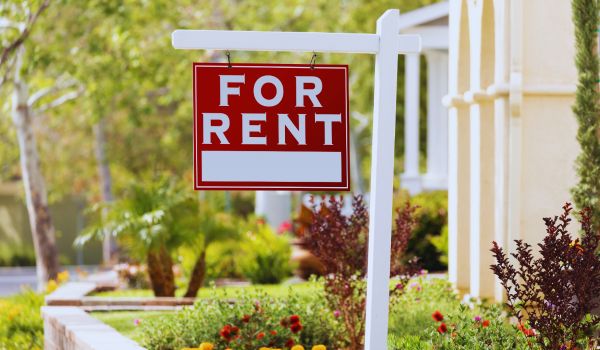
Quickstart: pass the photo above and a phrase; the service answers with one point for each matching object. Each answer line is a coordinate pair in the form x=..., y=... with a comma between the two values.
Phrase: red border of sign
x=276, y=186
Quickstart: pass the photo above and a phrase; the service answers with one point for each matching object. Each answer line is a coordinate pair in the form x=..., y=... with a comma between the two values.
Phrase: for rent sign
x=271, y=127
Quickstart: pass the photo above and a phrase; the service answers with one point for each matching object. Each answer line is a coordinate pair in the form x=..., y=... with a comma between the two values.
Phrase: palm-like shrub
x=155, y=219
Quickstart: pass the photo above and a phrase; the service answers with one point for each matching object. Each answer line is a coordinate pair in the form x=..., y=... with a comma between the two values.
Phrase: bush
x=412, y=325
x=265, y=256
x=340, y=243
x=410, y=313
x=461, y=330
x=222, y=260
x=21, y=325
x=557, y=289
x=251, y=313
x=431, y=217
x=16, y=256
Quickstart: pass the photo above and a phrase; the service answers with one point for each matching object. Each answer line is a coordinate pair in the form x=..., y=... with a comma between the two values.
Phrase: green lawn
x=125, y=321
x=279, y=290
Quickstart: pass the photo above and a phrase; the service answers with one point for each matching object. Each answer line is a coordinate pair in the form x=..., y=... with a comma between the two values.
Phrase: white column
x=274, y=206
x=459, y=148
x=410, y=179
x=436, y=177
x=499, y=91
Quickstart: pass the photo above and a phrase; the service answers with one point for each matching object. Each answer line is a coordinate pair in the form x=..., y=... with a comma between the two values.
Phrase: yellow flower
x=206, y=346
x=319, y=347
x=298, y=347
x=62, y=277
x=13, y=313
x=51, y=286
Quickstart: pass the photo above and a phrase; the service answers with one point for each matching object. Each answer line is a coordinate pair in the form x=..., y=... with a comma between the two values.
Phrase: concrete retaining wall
x=70, y=328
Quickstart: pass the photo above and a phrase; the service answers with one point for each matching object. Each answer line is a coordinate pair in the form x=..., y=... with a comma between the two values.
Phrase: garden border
x=67, y=324
x=69, y=327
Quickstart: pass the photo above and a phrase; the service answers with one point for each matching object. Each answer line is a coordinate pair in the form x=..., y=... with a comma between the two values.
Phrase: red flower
x=284, y=227
x=296, y=327
x=442, y=328
x=437, y=316
x=294, y=319
x=527, y=332
x=260, y=335
x=284, y=322
x=289, y=343
x=226, y=332
x=246, y=318
x=485, y=323
x=273, y=332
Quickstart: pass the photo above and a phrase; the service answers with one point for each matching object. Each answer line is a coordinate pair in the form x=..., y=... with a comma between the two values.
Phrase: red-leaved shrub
x=340, y=242
x=556, y=290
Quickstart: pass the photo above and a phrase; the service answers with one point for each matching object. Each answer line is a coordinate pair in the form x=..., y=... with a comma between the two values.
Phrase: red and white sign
x=271, y=127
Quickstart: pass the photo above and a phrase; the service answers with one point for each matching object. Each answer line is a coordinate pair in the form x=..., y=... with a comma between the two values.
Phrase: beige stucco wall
x=521, y=61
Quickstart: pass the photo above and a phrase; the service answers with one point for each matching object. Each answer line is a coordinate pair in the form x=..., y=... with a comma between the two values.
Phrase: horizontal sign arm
x=288, y=41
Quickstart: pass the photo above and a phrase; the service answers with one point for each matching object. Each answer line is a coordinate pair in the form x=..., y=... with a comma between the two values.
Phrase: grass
x=278, y=290
x=124, y=321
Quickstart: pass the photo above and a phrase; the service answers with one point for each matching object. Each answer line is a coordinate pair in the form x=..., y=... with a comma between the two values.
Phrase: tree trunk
x=36, y=196
x=108, y=246
x=197, y=277
x=160, y=270
x=167, y=265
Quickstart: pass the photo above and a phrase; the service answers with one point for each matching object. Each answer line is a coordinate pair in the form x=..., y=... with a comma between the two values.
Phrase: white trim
x=432, y=37
x=290, y=41
x=424, y=15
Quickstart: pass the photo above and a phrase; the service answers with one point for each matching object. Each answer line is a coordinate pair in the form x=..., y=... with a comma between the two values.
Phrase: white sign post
x=386, y=44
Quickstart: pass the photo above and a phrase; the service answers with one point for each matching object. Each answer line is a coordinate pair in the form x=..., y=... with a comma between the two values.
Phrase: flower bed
x=428, y=315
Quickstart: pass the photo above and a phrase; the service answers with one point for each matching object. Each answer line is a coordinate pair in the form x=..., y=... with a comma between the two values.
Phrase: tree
x=21, y=27
x=587, y=111
x=26, y=109
x=24, y=118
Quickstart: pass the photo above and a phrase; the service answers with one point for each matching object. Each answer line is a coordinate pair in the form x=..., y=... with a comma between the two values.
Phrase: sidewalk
x=13, y=279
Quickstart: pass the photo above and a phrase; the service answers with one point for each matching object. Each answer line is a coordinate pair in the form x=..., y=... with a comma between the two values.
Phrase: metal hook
x=228, y=54
x=313, y=60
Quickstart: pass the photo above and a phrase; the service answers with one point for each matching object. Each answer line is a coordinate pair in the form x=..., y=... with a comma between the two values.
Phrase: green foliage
x=202, y=323
x=121, y=57
x=410, y=313
x=222, y=260
x=412, y=325
x=213, y=228
x=488, y=331
x=16, y=256
x=21, y=325
x=153, y=214
x=441, y=244
x=264, y=256
x=431, y=220
x=127, y=322
x=407, y=342
x=587, y=108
